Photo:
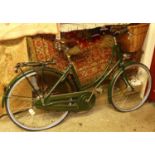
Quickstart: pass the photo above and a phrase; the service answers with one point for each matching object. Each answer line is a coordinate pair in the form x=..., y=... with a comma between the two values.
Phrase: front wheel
x=25, y=90
x=130, y=87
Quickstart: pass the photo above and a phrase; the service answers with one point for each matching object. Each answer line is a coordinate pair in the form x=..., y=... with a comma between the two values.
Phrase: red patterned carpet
x=89, y=64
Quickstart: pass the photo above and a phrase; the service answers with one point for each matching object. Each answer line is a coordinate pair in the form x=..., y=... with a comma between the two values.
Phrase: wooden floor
x=103, y=117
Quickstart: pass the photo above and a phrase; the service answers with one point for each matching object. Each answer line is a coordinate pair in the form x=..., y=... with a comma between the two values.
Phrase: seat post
x=115, y=40
x=68, y=56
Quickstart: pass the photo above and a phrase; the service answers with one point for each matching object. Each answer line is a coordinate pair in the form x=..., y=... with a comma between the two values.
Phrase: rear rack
x=35, y=63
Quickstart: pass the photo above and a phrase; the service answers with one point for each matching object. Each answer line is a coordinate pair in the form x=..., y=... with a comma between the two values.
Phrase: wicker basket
x=133, y=40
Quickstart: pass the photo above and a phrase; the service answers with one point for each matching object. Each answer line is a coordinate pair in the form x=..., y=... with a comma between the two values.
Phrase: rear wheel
x=23, y=93
x=130, y=88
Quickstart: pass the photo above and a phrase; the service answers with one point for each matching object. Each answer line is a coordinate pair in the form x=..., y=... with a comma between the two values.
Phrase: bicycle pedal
x=32, y=112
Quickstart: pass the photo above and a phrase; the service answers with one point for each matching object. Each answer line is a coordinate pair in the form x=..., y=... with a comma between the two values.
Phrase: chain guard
x=76, y=104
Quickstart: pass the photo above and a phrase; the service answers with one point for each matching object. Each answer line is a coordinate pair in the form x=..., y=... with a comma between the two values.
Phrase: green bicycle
x=42, y=97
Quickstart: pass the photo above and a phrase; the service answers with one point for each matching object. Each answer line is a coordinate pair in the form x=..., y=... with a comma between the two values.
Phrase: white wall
x=148, y=46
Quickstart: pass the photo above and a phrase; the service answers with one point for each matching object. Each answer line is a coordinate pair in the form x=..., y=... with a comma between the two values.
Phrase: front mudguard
x=122, y=66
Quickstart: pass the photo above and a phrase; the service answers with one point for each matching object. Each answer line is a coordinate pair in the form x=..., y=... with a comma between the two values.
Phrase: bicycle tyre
x=31, y=118
x=132, y=94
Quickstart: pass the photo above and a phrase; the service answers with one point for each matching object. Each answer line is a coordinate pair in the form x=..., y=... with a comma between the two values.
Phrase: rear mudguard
x=25, y=73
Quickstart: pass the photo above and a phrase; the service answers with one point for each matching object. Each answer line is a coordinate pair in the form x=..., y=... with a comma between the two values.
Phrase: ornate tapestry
x=89, y=63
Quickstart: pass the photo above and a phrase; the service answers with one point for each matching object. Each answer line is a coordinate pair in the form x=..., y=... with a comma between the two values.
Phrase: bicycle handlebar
x=114, y=31
x=122, y=31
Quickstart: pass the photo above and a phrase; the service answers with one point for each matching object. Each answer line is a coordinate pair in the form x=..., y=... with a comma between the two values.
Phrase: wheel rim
x=23, y=112
x=130, y=96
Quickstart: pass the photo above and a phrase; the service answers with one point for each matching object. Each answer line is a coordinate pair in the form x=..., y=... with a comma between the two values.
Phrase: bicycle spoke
x=21, y=97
